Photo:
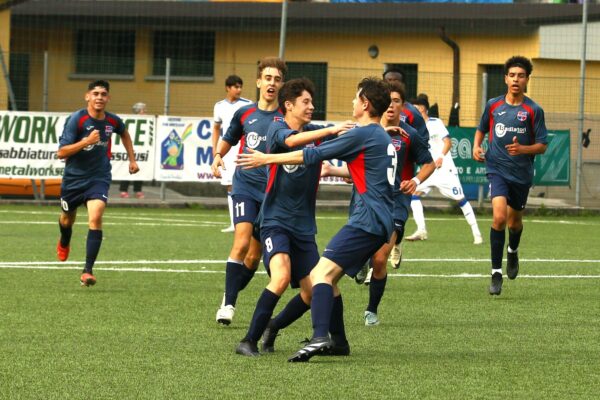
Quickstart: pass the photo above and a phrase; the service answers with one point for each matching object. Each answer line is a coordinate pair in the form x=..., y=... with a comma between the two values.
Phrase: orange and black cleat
x=62, y=252
x=87, y=279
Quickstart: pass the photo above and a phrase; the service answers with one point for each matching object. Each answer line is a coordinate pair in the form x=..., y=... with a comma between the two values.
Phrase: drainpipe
x=455, y=67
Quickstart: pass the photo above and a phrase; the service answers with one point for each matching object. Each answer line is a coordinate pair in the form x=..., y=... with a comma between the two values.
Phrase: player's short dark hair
x=398, y=88
x=293, y=89
x=233, y=80
x=395, y=71
x=377, y=92
x=273, y=62
x=518, y=61
x=101, y=83
x=421, y=100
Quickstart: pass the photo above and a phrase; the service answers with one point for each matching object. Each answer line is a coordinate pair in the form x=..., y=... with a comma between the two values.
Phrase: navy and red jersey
x=503, y=122
x=291, y=192
x=371, y=160
x=92, y=163
x=412, y=116
x=249, y=127
x=410, y=151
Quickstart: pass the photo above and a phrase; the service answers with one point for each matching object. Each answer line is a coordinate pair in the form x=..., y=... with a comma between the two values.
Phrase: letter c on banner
x=203, y=131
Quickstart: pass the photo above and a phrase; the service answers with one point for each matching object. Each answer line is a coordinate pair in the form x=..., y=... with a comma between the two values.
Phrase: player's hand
x=439, y=162
x=253, y=159
x=133, y=167
x=216, y=165
x=478, y=154
x=408, y=186
x=514, y=148
x=344, y=127
x=396, y=130
x=93, y=137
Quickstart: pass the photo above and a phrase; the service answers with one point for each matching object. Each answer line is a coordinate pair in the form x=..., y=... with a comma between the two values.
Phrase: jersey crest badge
x=522, y=115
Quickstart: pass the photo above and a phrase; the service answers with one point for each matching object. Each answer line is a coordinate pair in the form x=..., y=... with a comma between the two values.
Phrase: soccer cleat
x=369, y=275
x=229, y=229
x=396, y=255
x=418, y=235
x=140, y=195
x=341, y=349
x=87, y=279
x=512, y=265
x=318, y=345
x=362, y=274
x=477, y=239
x=268, y=338
x=225, y=314
x=247, y=348
x=371, y=319
x=496, y=285
x=62, y=252
x=124, y=195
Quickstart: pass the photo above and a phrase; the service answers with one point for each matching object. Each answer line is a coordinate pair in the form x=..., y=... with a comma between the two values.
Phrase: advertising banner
x=28, y=144
x=141, y=130
x=183, y=149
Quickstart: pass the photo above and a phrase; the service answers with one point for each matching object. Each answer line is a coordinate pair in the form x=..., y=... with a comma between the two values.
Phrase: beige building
x=334, y=44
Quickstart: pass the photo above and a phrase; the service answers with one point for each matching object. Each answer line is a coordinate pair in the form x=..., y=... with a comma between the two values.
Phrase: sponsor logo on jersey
x=500, y=129
x=290, y=168
x=522, y=115
x=253, y=139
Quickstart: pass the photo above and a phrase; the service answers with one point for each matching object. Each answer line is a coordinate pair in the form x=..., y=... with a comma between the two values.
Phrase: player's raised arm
x=256, y=159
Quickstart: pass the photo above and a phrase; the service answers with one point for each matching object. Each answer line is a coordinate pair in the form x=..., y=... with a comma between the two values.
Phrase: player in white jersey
x=223, y=112
x=444, y=178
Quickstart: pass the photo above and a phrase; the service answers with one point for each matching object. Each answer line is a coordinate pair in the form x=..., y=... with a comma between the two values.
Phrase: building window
x=410, y=72
x=191, y=53
x=317, y=73
x=105, y=52
x=495, y=81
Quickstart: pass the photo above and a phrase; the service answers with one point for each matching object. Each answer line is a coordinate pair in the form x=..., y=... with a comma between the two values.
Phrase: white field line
x=168, y=217
x=107, y=221
x=205, y=271
x=106, y=266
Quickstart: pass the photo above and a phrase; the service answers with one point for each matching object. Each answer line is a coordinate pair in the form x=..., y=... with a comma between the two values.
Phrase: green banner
x=551, y=168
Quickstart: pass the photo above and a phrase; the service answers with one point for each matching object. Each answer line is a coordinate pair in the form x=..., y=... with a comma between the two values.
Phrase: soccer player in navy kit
x=287, y=217
x=371, y=159
x=517, y=132
x=249, y=127
x=411, y=116
x=411, y=148
x=85, y=144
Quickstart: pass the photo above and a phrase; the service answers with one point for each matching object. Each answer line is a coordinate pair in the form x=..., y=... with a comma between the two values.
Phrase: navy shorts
x=302, y=250
x=71, y=199
x=351, y=248
x=515, y=193
x=245, y=209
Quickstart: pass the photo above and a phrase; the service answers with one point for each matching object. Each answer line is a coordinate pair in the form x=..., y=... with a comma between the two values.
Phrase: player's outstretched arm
x=128, y=144
x=303, y=138
x=256, y=159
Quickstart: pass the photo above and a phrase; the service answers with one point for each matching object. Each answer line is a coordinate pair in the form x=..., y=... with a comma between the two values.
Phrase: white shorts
x=446, y=181
x=229, y=161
